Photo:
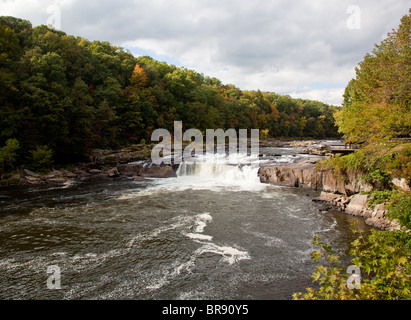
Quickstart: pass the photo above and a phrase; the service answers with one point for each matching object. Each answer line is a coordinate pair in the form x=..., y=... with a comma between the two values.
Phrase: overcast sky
x=304, y=48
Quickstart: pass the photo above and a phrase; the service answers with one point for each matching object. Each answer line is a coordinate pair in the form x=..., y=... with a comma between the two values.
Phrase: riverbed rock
x=357, y=205
x=139, y=170
x=113, y=173
x=123, y=156
x=327, y=197
x=158, y=172
x=31, y=173
x=33, y=180
x=138, y=178
x=378, y=218
x=57, y=181
x=69, y=174
x=129, y=170
x=95, y=171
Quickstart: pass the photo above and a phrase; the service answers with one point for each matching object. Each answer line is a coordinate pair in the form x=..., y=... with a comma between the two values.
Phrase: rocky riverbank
x=128, y=162
x=138, y=171
x=341, y=194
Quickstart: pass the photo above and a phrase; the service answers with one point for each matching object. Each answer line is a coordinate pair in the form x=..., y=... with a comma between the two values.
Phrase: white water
x=216, y=173
x=222, y=171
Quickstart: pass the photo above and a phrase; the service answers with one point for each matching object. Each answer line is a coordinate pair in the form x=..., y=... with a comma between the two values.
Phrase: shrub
x=378, y=197
x=400, y=208
x=384, y=261
x=378, y=178
x=41, y=159
x=8, y=153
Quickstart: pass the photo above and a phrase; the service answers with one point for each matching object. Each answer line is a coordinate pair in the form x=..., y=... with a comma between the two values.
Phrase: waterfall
x=238, y=170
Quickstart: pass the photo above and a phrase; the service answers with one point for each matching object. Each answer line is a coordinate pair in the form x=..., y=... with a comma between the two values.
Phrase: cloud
x=280, y=46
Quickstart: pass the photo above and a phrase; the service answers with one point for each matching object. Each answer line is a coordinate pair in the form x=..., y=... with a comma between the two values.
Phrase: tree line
x=70, y=95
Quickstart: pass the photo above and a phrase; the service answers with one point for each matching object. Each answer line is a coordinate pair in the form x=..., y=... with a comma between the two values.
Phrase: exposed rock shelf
x=305, y=174
x=342, y=194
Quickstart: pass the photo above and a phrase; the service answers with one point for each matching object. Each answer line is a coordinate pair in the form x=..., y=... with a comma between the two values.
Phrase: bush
x=400, y=164
x=378, y=178
x=378, y=197
x=400, y=208
x=383, y=259
x=8, y=153
x=41, y=159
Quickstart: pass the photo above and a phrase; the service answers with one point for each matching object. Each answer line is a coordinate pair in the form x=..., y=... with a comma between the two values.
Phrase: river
x=214, y=232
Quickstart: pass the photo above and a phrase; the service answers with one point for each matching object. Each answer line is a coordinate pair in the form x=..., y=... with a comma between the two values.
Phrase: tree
x=9, y=49
x=377, y=102
x=8, y=154
x=41, y=158
x=139, y=77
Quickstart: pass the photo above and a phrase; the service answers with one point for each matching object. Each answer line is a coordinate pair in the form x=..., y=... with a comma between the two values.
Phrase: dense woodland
x=69, y=94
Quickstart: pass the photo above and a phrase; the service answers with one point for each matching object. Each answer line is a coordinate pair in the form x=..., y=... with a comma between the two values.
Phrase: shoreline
x=106, y=163
x=344, y=196
x=132, y=163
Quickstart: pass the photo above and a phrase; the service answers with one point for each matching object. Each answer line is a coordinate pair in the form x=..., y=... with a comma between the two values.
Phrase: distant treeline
x=71, y=94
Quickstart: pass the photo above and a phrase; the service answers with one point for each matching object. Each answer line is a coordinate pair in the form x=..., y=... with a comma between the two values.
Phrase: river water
x=214, y=232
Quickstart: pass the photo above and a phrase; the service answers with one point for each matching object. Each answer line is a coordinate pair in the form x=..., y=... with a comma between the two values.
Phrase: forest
x=66, y=95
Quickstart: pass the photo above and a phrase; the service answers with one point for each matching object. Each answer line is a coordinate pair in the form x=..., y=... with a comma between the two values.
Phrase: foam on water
x=215, y=173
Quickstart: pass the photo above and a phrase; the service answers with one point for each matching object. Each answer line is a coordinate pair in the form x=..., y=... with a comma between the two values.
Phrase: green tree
x=377, y=102
x=41, y=158
x=8, y=153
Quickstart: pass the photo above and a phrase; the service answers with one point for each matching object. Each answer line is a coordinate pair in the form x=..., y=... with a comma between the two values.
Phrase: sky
x=303, y=48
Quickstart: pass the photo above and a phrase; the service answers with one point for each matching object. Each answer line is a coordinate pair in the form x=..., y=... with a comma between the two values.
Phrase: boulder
x=357, y=205
x=31, y=173
x=113, y=173
x=129, y=170
x=158, y=172
x=57, y=180
x=138, y=178
x=327, y=197
x=155, y=171
x=95, y=171
x=68, y=174
x=33, y=180
x=378, y=218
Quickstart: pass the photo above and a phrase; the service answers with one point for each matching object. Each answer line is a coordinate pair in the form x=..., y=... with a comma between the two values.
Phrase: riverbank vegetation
x=64, y=95
x=377, y=115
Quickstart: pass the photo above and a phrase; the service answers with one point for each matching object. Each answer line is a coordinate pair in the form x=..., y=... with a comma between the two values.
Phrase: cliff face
x=343, y=195
x=304, y=174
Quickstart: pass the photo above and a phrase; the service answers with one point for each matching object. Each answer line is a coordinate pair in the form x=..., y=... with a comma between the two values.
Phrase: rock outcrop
x=356, y=205
x=139, y=170
x=305, y=174
x=301, y=174
x=341, y=194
